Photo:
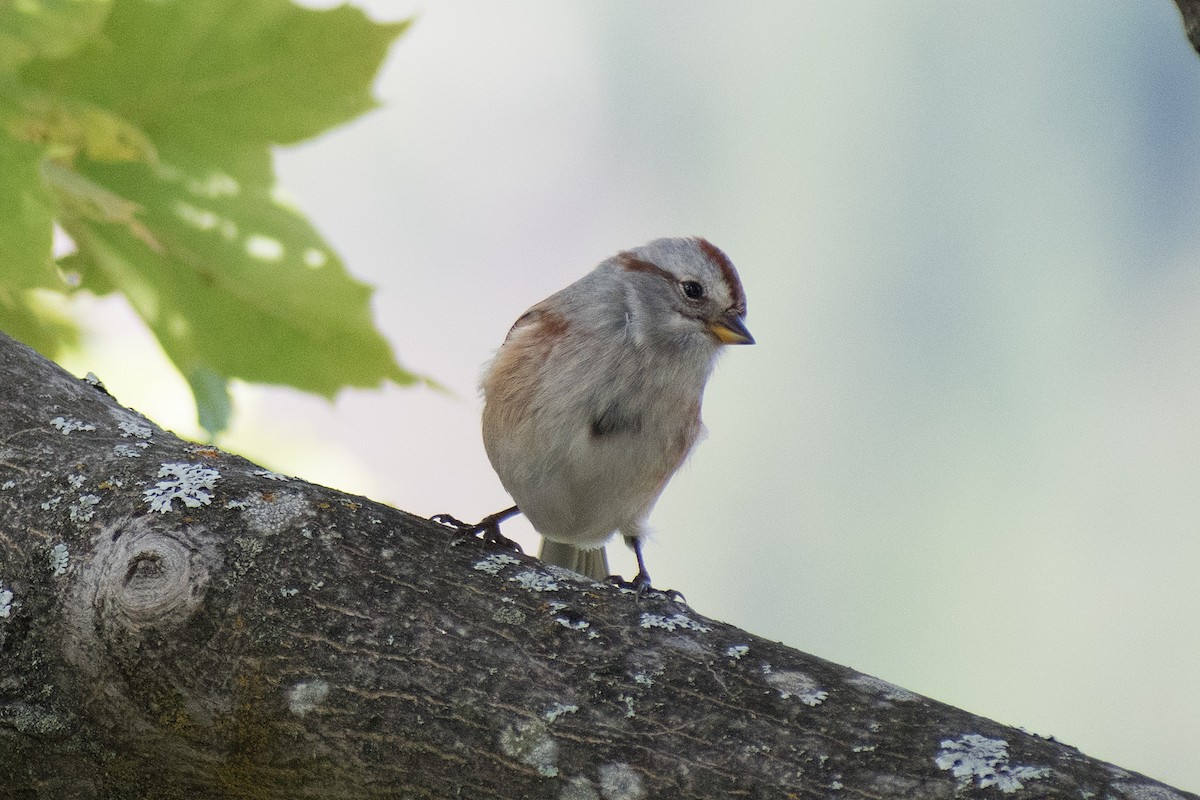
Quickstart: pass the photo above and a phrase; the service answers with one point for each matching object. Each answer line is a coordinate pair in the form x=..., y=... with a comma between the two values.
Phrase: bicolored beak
x=730, y=329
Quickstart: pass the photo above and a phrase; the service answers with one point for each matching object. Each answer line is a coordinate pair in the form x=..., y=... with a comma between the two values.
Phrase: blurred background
x=964, y=455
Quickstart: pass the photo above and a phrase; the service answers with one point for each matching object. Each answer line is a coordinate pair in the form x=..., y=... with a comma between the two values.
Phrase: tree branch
x=178, y=623
x=1190, y=9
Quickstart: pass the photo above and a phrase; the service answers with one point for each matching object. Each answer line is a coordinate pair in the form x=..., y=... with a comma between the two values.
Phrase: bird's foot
x=488, y=528
x=640, y=586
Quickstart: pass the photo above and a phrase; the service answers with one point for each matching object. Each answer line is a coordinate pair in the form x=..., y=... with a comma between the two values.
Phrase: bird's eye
x=692, y=290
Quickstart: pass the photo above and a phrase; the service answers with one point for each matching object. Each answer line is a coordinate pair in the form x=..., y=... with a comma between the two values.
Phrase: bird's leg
x=489, y=527
x=641, y=582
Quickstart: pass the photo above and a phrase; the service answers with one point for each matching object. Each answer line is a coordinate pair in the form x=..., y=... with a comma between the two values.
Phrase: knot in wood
x=151, y=578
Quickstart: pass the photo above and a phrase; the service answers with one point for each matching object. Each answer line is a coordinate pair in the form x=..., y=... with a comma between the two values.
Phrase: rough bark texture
x=263, y=637
x=1190, y=9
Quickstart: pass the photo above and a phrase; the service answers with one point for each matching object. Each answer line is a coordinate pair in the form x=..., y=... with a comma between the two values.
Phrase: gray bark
x=268, y=638
x=1190, y=10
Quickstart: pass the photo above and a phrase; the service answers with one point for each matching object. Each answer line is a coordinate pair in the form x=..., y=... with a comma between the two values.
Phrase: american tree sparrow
x=593, y=401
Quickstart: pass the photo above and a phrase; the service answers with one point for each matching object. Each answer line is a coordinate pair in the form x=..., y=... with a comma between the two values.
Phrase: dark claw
x=488, y=528
x=492, y=536
x=640, y=585
x=672, y=594
x=449, y=521
x=641, y=582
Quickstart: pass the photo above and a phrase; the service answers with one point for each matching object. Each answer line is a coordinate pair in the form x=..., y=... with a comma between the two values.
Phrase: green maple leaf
x=51, y=28
x=150, y=143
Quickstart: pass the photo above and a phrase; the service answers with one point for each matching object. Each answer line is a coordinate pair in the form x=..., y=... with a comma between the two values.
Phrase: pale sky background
x=964, y=455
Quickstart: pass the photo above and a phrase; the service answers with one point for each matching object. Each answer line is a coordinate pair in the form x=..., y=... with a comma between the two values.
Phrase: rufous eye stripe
x=717, y=256
x=710, y=251
x=632, y=262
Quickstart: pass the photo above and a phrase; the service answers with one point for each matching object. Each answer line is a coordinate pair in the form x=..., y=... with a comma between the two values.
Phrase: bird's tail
x=591, y=563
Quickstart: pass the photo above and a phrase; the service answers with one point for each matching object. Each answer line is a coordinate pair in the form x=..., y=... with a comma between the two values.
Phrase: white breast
x=595, y=433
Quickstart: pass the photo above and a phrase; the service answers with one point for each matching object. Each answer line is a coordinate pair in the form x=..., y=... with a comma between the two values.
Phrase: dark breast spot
x=614, y=422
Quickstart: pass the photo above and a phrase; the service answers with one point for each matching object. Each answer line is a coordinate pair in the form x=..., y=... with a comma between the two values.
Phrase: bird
x=593, y=401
